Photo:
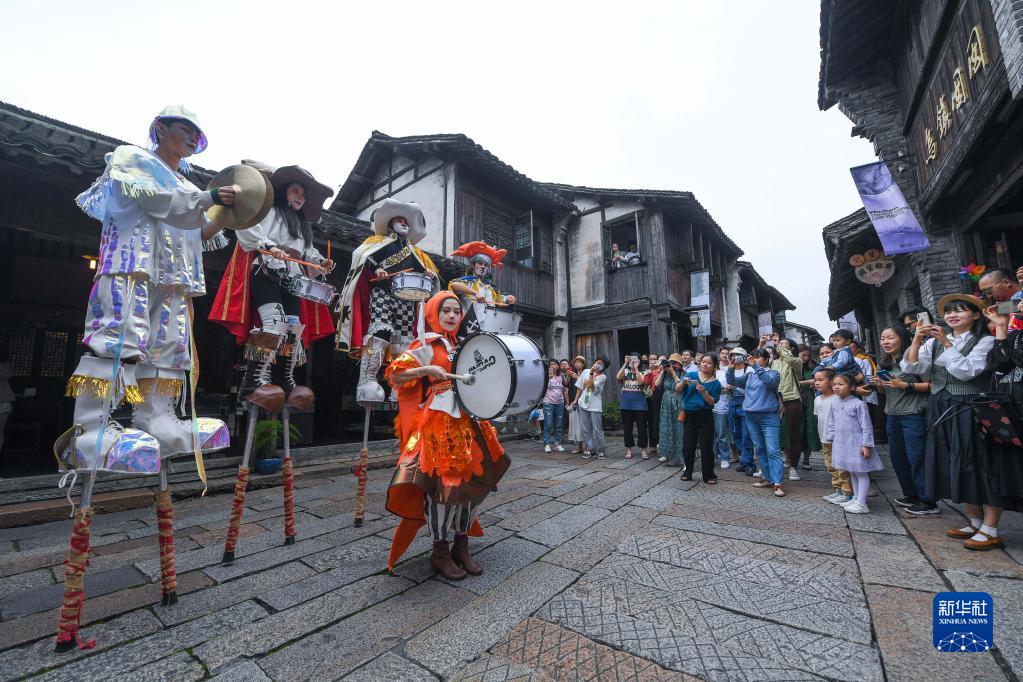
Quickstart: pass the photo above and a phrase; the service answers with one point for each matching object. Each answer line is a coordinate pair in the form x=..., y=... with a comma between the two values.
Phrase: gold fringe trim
x=133, y=395
x=98, y=388
x=166, y=387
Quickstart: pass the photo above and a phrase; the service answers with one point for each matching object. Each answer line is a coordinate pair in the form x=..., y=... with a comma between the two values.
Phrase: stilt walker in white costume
x=379, y=309
x=138, y=338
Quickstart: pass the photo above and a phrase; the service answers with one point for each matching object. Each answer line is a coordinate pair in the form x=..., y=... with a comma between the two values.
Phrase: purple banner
x=896, y=225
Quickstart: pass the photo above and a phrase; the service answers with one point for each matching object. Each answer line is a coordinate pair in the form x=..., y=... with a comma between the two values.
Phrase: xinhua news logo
x=964, y=622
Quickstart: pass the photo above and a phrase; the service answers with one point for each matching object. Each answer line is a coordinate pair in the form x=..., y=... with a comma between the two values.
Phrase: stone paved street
x=610, y=569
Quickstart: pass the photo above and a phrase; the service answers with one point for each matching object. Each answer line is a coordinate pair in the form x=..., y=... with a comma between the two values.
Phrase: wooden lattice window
x=54, y=354
x=497, y=226
x=21, y=351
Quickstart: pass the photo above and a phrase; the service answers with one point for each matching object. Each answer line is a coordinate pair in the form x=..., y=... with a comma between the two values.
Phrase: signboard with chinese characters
x=958, y=97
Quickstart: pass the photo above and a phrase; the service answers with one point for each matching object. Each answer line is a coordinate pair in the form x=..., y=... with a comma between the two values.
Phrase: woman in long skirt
x=575, y=429
x=671, y=441
x=956, y=455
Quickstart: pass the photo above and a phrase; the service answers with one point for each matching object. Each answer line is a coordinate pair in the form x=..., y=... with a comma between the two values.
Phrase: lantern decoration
x=872, y=267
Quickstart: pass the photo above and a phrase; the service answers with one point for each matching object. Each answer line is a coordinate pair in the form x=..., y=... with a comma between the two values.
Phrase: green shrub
x=612, y=415
x=269, y=434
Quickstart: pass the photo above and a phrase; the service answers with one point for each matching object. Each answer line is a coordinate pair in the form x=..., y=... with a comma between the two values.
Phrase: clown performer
x=274, y=324
x=449, y=461
x=374, y=321
x=138, y=337
x=477, y=287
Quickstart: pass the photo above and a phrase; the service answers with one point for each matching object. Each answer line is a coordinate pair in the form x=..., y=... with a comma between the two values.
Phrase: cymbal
x=253, y=197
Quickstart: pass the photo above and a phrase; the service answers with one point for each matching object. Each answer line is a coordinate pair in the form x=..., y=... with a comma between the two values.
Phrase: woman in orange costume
x=449, y=461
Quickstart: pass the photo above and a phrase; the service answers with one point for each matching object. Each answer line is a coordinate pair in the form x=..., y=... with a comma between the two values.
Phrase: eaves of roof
x=843, y=238
x=785, y=303
x=852, y=32
x=674, y=198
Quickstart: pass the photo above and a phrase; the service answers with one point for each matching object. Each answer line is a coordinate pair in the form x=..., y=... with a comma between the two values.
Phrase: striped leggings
x=448, y=518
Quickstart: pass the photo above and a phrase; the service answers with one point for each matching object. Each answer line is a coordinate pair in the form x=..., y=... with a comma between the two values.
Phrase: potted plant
x=612, y=416
x=266, y=438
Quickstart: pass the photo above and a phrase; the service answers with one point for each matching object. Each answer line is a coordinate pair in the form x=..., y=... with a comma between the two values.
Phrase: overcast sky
x=717, y=98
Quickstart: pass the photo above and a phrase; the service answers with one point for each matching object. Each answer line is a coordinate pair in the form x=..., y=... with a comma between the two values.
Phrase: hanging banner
x=703, y=329
x=849, y=321
x=897, y=227
x=699, y=289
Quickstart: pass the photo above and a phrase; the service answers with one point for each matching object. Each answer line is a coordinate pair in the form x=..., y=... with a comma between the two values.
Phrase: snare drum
x=412, y=286
x=488, y=318
x=510, y=375
x=315, y=290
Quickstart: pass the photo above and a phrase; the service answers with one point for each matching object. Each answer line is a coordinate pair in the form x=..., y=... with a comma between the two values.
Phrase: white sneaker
x=839, y=498
x=724, y=464
x=758, y=474
x=547, y=448
x=559, y=448
x=854, y=507
x=793, y=474
x=833, y=496
x=587, y=454
x=662, y=459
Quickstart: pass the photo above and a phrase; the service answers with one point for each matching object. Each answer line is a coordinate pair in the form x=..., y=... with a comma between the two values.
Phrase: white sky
x=717, y=98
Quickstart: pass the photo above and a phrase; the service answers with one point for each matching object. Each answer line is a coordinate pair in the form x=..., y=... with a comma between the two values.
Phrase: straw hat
x=965, y=298
x=675, y=357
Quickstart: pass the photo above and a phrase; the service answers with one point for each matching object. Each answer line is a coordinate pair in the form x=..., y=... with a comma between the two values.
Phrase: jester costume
x=449, y=461
x=373, y=320
x=477, y=283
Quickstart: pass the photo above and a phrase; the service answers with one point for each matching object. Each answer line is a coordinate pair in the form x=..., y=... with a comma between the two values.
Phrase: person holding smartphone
x=633, y=404
x=672, y=431
x=590, y=404
x=701, y=392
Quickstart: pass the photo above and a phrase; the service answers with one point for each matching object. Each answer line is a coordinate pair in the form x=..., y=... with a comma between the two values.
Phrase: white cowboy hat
x=410, y=211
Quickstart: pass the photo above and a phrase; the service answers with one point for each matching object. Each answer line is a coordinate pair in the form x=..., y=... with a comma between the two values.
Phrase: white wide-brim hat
x=178, y=111
x=391, y=209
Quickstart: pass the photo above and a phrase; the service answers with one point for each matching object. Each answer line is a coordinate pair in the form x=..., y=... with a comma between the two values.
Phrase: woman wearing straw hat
x=956, y=367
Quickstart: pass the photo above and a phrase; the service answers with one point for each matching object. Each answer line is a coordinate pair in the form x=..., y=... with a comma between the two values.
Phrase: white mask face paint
x=400, y=229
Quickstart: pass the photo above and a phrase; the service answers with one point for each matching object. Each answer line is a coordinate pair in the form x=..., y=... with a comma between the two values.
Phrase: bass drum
x=510, y=373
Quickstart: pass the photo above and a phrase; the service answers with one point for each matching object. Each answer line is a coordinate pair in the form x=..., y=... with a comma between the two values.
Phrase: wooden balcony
x=629, y=284
x=532, y=288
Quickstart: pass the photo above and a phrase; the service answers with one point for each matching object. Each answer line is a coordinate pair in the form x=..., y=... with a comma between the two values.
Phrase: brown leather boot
x=441, y=561
x=460, y=553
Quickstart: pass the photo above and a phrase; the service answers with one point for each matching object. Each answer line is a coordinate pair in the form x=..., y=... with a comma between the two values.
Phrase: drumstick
x=328, y=249
x=467, y=379
x=393, y=274
x=293, y=260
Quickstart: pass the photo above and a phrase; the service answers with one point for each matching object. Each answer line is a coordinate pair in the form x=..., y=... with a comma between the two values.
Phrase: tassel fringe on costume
x=170, y=388
x=99, y=388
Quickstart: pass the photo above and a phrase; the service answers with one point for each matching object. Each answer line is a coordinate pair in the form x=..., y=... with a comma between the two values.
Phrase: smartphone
x=884, y=375
x=924, y=318
x=1006, y=308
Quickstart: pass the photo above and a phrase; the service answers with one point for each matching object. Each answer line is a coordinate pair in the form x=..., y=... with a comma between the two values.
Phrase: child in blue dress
x=852, y=441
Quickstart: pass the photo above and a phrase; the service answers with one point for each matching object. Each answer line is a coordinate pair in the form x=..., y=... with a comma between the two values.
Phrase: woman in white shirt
x=590, y=403
x=955, y=460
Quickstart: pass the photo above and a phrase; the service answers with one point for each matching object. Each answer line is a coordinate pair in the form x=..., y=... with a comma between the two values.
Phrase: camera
x=664, y=363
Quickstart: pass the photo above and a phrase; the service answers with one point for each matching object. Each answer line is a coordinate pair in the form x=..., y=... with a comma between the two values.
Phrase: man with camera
x=999, y=286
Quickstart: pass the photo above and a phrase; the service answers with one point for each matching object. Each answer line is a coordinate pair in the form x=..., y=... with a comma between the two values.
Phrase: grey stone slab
x=499, y=562
x=321, y=583
x=564, y=487
x=264, y=561
x=106, y=562
x=125, y=659
x=178, y=668
x=879, y=520
x=47, y=597
x=724, y=630
x=292, y=624
x=32, y=658
x=896, y=561
x=663, y=543
x=593, y=489
x=524, y=519
x=472, y=629
x=664, y=646
x=786, y=604
x=564, y=526
x=584, y=551
x=1008, y=599
x=246, y=671
x=661, y=496
x=418, y=568
x=505, y=495
x=625, y=492
x=516, y=506
x=491, y=668
x=551, y=473
x=348, y=644
x=760, y=503
x=21, y=582
x=391, y=668
x=814, y=577
x=260, y=585
x=814, y=544
x=362, y=548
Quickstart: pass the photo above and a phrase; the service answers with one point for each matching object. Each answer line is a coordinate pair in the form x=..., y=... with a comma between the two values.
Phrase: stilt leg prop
x=74, y=577
x=363, y=471
x=289, y=481
x=238, y=503
x=165, y=528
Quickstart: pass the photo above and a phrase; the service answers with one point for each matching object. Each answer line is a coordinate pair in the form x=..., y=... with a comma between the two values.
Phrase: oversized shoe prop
x=369, y=389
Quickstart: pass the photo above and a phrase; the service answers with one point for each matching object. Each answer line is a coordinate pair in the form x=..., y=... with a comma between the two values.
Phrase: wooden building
x=937, y=87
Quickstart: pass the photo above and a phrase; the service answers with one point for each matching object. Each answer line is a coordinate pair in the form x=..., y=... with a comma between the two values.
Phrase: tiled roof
x=852, y=33
x=682, y=199
x=786, y=304
x=445, y=145
x=847, y=236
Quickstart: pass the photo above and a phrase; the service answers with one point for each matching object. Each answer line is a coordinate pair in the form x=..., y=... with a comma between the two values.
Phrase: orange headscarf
x=432, y=315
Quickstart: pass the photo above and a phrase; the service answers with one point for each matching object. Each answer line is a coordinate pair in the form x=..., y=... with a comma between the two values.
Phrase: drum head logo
x=963, y=622
x=480, y=363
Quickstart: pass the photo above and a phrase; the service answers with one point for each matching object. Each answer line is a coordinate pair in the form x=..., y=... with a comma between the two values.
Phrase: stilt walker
x=137, y=334
x=270, y=282
x=388, y=277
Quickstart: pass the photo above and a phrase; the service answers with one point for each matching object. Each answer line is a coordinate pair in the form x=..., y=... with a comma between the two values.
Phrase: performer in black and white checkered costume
x=373, y=320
